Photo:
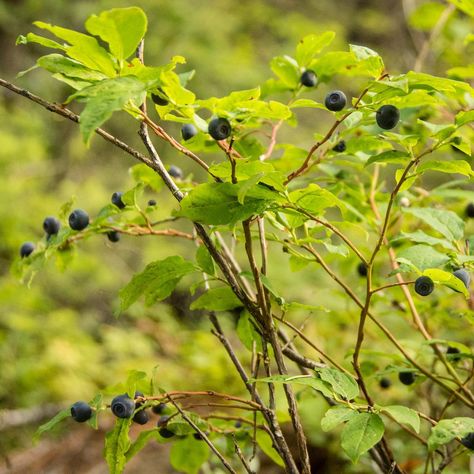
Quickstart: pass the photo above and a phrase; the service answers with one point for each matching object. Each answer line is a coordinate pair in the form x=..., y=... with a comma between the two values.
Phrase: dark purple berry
x=159, y=98
x=387, y=117
x=78, y=219
x=175, y=172
x=308, y=78
x=27, y=249
x=340, y=146
x=335, y=101
x=158, y=409
x=113, y=236
x=464, y=276
x=470, y=210
x=81, y=412
x=188, y=131
x=453, y=353
x=51, y=226
x=141, y=417
x=152, y=202
x=424, y=285
x=406, y=377
x=362, y=269
x=468, y=441
x=117, y=200
x=219, y=128
x=385, y=383
x=165, y=433
x=122, y=406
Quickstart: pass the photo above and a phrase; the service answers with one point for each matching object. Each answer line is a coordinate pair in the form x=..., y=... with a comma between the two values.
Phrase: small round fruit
x=424, y=286
x=470, y=210
x=122, y=406
x=51, y=226
x=138, y=395
x=219, y=128
x=309, y=78
x=454, y=353
x=162, y=421
x=335, y=101
x=141, y=417
x=113, y=236
x=117, y=200
x=464, y=276
x=78, y=219
x=81, y=412
x=27, y=249
x=362, y=269
x=158, y=409
x=406, y=378
x=175, y=172
x=385, y=383
x=165, y=433
x=188, y=131
x=158, y=99
x=340, y=146
x=238, y=424
x=152, y=202
x=387, y=117
x=468, y=441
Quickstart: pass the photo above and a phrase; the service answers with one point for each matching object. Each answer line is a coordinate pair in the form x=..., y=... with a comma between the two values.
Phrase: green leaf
x=96, y=404
x=266, y=445
x=311, y=45
x=404, y=415
x=142, y=440
x=307, y=103
x=458, y=166
x=371, y=62
x=422, y=238
x=205, y=261
x=335, y=416
x=57, y=63
x=83, y=48
x=423, y=256
x=121, y=28
x=446, y=430
x=391, y=156
x=464, y=117
x=53, y=422
x=179, y=426
x=156, y=282
x=117, y=443
x=466, y=6
x=341, y=383
x=34, y=38
x=426, y=15
x=106, y=97
x=217, y=203
x=217, y=299
x=360, y=434
x=134, y=376
x=247, y=332
x=447, y=223
x=308, y=380
x=188, y=455
x=447, y=279
x=314, y=199
x=286, y=69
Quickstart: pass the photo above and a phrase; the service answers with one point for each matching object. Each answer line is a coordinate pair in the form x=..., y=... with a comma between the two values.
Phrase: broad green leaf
x=96, y=405
x=311, y=45
x=335, y=416
x=217, y=203
x=204, y=260
x=342, y=384
x=217, y=299
x=34, y=38
x=83, y=48
x=121, y=28
x=156, y=282
x=447, y=223
x=464, y=117
x=371, y=62
x=466, y=6
x=57, y=63
x=404, y=415
x=143, y=174
x=421, y=237
x=117, y=443
x=360, y=434
x=391, y=156
x=141, y=441
x=314, y=199
x=266, y=445
x=458, y=166
x=446, y=430
x=247, y=332
x=286, y=69
x=447, y=279
x=189, y=454
x=134, y=376
x=179, y=426
x=105, y=98
x=63, y=414
x=298, y=103
x=423, y=256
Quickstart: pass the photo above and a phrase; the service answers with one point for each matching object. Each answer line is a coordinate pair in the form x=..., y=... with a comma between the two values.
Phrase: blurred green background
x=59, y=339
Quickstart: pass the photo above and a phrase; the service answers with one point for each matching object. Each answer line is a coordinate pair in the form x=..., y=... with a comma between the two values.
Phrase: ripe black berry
x=470, y=210
x=463, y=276
x=424, y=285
x=113, y=236
x=78, y=219
x=387, y=116
x=26, y=249
x=51, y=225
x=454, y=351
x=152, y=202
x=159, y=98
x=165, y=433
x=219, y=128
x=81, y=412
x=158, y=409
x=362, y=269
x=117, y=200
x=162, y=421
x=308, y=78
x=385, y=383
x=468, y=441
x=335, y=101
x=238, y=424
x=175, y=172
x=340, y=146
x=141, y=417
x=188, y=131
x=122, y=406
x=406, y=378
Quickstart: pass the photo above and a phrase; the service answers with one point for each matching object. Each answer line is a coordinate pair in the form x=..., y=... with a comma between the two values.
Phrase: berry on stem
x=78, y=219
x=335, y=101
x=340, y=146
x=165, y=433
x=117, y=200
x=309, y=78
x=385, y=383
x=113, y=236
x=158, y=99
x=122, y=406
x=152, y=202
x=468, y=441
x=362, y=269
x=470, y=210
x=188, y=131
x=424, y=285
x=406, y=377
x=219, y=128
x=175, y=172
x=81, y=412
x=51, y=225
x=464, y=276
x=141, y=417
x=27, y=249
x=454, y=353
x=387, y=117
x=158, y=409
